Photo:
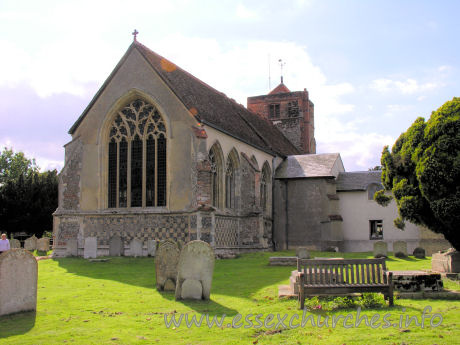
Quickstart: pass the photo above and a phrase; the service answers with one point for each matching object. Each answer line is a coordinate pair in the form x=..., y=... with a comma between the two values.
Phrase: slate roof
x=357, y=180
x=310, y=165
x=212, y=107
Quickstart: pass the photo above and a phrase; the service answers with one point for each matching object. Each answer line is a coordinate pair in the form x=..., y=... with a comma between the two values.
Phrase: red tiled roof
x=281, y=88
x=212, y=107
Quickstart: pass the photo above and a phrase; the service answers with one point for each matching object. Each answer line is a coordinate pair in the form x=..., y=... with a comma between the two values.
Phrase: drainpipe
x=273, y=203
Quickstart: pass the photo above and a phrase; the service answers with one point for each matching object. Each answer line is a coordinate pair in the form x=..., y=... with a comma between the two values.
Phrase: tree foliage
x=423, y=172
x=12, y=165
x=27, y=197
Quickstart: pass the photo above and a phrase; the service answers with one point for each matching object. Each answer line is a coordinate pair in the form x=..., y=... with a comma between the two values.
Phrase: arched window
x=215, y=159
x=137, y=157
x=230, y=184
x=264, y=186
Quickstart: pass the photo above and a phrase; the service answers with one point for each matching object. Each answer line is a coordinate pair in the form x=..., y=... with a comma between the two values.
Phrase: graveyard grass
x=115, y=302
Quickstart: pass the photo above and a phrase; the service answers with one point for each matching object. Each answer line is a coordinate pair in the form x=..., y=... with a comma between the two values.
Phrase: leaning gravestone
x=400, y=248
x=166, y=259
x=419, y=253
x=135, y=247
x=18, y=281
x=71, y=248
x=30, y=243
x=380, y=249
x=194, y=271
x=116, y=246
x=151, y=247
x=302, y=253
x=90, y=248
x=43, y=244
x=14, y=243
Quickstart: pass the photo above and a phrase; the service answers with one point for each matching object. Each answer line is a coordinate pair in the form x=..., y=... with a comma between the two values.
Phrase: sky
x=370, y=67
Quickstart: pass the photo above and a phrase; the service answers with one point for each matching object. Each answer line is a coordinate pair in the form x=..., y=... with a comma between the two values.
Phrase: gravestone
x=72, y=248
x=380, y=249
x=419, y=253
x=400, y=248
x=446, y=262
x=18, y=281
x=43, y=244
x=302, y=253
x=166, y=259
x=116, y=246
x=90, y=248
x=135, y=247
x=194, y=271
x=14, y=243
x=151, y=247
x=30, y=243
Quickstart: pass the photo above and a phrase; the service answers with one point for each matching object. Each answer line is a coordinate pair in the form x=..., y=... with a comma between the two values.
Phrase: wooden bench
x=343, y=276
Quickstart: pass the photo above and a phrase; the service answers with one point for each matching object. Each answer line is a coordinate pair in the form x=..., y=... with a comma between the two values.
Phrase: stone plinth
x=446, y=262
x=414, y=281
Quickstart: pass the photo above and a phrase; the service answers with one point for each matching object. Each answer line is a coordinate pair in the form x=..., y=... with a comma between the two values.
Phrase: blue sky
x=371, y=67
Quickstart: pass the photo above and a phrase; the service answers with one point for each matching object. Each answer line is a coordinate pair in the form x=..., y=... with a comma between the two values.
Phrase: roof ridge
x=183, y=70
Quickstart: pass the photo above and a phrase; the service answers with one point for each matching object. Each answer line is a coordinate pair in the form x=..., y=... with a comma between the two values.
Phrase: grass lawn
x=115, y=302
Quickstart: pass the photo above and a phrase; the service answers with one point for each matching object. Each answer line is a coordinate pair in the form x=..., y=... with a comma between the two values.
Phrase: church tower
x=291, y=112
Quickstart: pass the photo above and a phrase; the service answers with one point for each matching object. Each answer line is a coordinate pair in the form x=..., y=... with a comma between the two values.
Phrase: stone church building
x=159, y=154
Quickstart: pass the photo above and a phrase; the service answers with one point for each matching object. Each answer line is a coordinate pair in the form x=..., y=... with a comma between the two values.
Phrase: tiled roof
x=281, y=88
x=357, y=180
x=310, y=165
x=212, y=107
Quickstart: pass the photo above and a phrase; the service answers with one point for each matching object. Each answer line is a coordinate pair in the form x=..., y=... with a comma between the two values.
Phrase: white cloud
x=408, y=86
x=245, y=13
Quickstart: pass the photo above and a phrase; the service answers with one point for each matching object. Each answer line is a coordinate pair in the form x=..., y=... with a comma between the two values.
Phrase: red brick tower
x=291, y=112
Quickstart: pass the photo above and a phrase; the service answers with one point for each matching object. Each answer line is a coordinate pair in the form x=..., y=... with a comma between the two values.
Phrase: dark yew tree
x=27, y=203
x=423, y=172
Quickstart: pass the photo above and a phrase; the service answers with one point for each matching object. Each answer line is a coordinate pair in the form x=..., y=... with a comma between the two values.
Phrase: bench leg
x=301, y=295
x=390, y=289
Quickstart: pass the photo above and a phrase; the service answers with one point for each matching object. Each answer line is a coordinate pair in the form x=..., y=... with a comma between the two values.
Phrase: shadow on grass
x=16, y=324
x=210, y=307
x=240, y=277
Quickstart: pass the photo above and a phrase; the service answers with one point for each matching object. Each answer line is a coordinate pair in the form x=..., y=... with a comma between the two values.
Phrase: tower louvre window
x=137, y=157
x=275, y=111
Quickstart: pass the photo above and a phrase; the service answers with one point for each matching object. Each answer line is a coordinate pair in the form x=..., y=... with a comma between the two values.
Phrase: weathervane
x=135, y=32
x=281, y=65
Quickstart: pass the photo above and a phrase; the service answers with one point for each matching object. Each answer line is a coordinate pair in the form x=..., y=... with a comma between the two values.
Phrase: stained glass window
x=138, y=129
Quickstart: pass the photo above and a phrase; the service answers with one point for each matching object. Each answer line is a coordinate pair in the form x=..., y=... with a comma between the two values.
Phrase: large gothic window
x=137, y=157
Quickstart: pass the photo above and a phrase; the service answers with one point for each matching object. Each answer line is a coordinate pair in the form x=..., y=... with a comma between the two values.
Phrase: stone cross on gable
x=135, y=32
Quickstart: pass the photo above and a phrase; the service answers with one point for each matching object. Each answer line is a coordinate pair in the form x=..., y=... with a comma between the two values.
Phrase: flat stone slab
x=415, y=281
x=282, y=261
x=445, y=294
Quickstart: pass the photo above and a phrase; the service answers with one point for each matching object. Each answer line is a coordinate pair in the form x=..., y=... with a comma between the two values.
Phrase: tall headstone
x=151, y=247
x=14, y=243
x=116, y=246
x=90, y=248
x=302, y=253
x=166, y=260
x=400, y=248
x=446, y=262
x=380, y=249
x=43, y=244
x=18, y=281
x=135, y=247
x=72, y=247
x=31, y=243
x=194, y=271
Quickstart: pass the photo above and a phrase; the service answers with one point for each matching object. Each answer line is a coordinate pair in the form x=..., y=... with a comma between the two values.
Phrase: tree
x=423, y=172
x=12, y=165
